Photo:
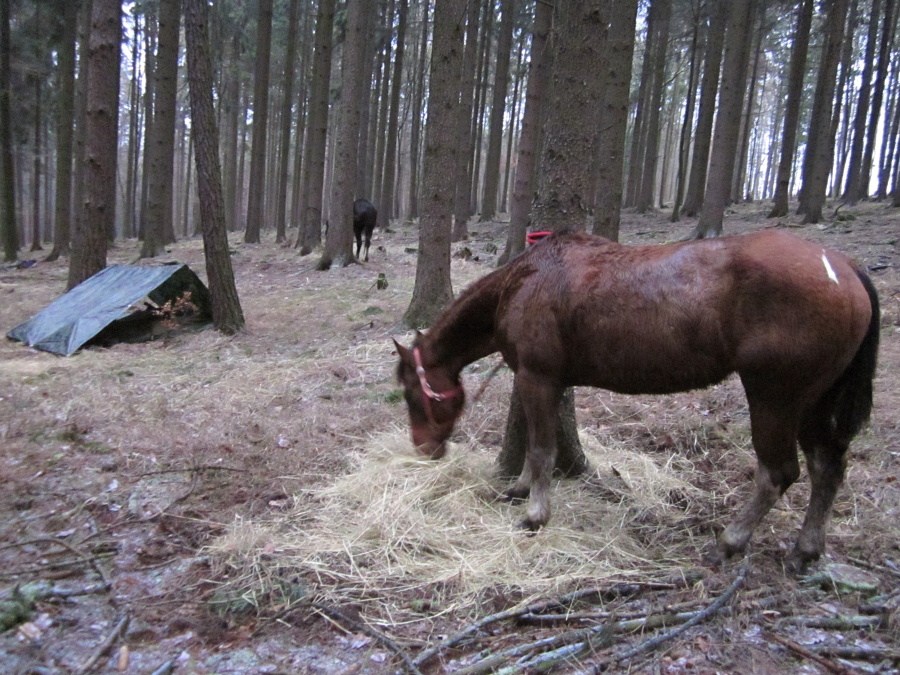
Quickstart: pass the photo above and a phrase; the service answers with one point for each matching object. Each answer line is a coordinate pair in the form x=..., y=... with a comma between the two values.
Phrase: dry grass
x=396, y=527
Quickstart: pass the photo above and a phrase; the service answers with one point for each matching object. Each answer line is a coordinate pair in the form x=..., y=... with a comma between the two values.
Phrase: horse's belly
x=650, y=369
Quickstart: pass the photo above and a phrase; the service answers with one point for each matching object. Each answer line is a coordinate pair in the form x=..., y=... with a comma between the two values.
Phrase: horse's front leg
x=541, y=403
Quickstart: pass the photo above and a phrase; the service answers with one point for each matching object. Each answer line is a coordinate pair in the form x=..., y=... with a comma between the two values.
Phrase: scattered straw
x=403, y=526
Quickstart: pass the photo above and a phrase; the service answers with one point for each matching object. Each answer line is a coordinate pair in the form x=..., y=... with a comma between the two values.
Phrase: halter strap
x=426, y=388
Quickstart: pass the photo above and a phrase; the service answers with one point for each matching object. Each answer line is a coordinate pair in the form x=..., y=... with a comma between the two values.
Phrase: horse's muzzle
x=427, y=445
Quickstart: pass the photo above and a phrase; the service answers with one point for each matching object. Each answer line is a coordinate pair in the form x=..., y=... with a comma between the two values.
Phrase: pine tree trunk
x=354, y=72
x=684, y=140
x=854, y=189
x=159, y=228
x=65, y=117
x=226, y=307
x=101, y=144
x=792, y=109
x=818, y=157
x=432, y=291
x=256, y=190
x=498, y=108
x=610, y=156
x=8, y=225
x=535, y=93
x=310, y=234
x=287, y=106
x=644, y=200
x=415, y=142
x=461, y=199
x=386, y=208
x=728, y=121
x=709, y=87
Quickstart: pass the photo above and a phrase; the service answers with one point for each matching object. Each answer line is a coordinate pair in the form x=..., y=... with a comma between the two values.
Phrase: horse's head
x=434, y=397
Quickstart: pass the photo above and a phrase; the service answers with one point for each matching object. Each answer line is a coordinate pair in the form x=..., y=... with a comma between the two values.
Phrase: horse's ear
x=401, y=350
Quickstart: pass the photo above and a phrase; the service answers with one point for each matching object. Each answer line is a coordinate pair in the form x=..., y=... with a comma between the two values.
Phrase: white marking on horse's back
x=829, y=268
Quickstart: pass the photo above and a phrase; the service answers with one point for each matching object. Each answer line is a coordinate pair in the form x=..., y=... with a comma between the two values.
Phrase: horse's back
x=657, y=319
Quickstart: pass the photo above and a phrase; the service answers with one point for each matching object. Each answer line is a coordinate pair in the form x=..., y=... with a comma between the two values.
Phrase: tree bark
x=226, y=307
x=159, y=229
x=65, y=118
x=728, y=121
x=535, y=93
x=8, y=225
x=565, y=188
x=286, y=109
x=339, y=238
x=101, y=147
x=256, y=188
x=433, y=291
x=610, y=155
x=819, y=151
x=662, y=10
x=386, y=208
x=792, y=109
x=853, y=188
x=462, y=198
x=498, y=109
x=310, y=234
x=709, y=87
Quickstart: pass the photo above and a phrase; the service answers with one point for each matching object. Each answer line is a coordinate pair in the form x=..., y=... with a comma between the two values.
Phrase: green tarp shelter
x=102, y=309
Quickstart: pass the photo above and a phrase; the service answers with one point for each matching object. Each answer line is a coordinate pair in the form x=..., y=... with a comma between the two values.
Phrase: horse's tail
x=850, y=397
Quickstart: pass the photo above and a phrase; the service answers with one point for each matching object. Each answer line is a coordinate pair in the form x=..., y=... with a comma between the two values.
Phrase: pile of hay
x=398, y=530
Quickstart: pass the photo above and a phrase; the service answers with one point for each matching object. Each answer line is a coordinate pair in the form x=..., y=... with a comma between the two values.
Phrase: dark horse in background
x=364, y=217
x=797, y=322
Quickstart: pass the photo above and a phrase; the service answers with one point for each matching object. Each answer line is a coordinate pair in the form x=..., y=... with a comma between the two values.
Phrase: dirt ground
x=124, y=469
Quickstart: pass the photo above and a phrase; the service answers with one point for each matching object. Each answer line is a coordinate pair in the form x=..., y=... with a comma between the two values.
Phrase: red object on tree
x=534, y=237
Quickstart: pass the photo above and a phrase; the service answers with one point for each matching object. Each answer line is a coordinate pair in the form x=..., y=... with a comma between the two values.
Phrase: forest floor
x=250, y=504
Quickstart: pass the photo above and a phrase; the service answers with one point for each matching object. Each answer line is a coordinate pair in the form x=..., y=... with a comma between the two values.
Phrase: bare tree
x=8, y=225
x=792, y=108
x=65, y=118
x=433, y=291
x=256, y=195
x=728, y=120
x=161, y=144
x=523, y=187
x=101, y=147
x=310, y=234
x=226, y=307
x=498, y=108
x=339, y=238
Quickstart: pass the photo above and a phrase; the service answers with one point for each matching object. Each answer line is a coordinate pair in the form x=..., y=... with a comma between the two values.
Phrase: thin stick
x=104, y=646
x=536, y=608
x=699, y=617
x=836, y=668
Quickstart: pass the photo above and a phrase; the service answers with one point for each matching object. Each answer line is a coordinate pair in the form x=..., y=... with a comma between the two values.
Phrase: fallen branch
x=858, y=653
x=192, y=469
x=835, y=622
x=617, y=590
x=568, y=645
x=836, y=668
x=104, y=646
x=698, y=617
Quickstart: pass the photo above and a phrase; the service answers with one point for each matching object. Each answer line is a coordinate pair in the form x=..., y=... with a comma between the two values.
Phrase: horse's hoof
x=529, y=527
x=798, y=562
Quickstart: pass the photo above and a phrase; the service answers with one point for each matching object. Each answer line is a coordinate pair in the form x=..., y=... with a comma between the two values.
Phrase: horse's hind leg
x=774, y=430
x=826, y=460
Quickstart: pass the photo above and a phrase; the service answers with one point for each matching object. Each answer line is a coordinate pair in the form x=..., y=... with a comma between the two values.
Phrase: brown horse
x=797, y=322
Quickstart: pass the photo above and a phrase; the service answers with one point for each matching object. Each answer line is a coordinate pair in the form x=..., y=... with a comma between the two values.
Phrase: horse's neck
x=465, y=332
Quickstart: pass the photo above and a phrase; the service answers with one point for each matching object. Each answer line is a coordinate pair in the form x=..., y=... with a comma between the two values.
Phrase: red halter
x=431, y=394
